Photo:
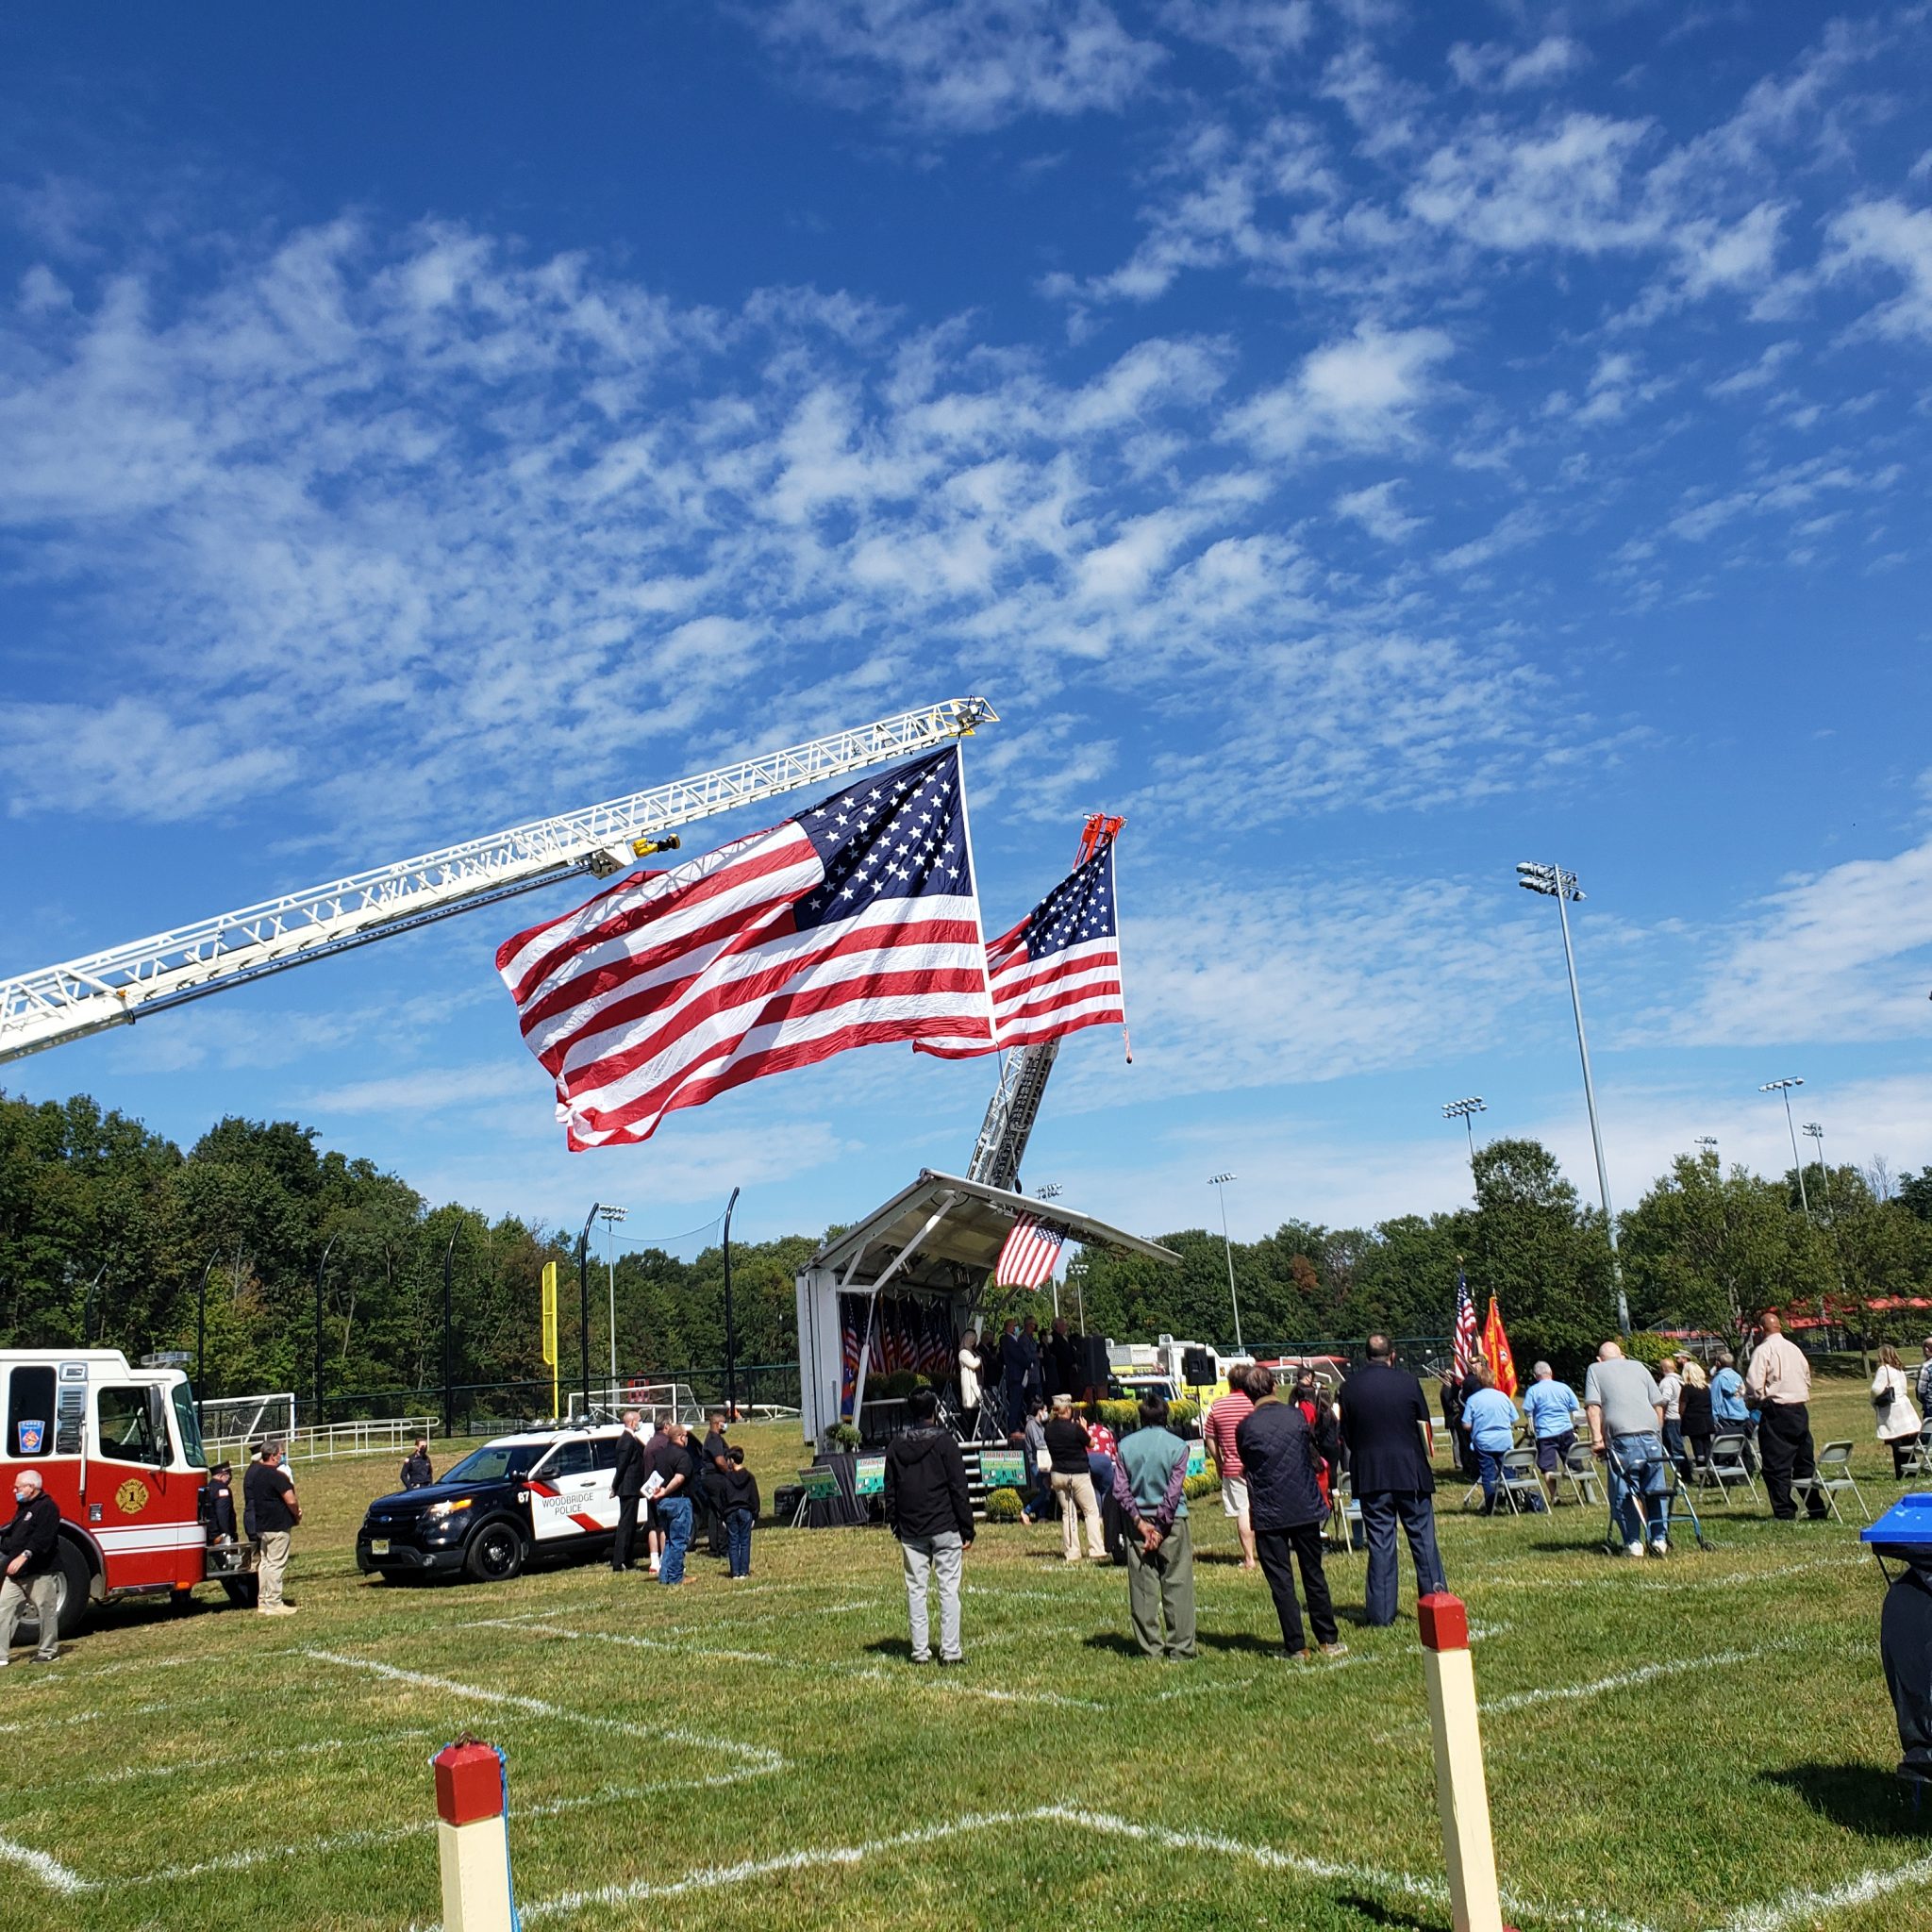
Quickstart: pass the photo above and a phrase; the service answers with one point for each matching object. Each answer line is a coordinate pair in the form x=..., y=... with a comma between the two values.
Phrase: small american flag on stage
x=1465, y=1326
x=855, y=922
x=1059, y=970
x=1027, y=1257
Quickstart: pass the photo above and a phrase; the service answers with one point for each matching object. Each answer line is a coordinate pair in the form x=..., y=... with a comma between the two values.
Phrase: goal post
x=231, y=1425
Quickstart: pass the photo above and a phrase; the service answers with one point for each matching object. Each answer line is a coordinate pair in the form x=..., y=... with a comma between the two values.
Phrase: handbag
x=1042, y=1462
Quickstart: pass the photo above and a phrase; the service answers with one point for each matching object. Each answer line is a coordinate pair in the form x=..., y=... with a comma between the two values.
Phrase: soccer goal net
x=661, y=1402
x=232, y=1424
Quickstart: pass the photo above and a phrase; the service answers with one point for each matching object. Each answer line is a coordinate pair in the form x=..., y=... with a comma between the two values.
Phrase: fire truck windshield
x=495, y=1461
x=188, y=1425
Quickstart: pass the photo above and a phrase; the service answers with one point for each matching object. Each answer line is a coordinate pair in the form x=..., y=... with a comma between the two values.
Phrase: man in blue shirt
x=1490, y=1417
x=1552, y=1408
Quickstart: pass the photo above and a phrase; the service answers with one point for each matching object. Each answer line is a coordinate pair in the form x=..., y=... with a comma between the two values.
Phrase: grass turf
x=1702, y=1743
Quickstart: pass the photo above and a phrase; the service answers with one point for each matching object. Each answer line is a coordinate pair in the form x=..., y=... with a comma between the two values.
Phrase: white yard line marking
x=1686, y=1578
x=1804, y=1907
x=877, y=1673
x=811, y=1857
x=41, y=1724
x=1623, y=1680
x=50, y=1872
x=753, y=1755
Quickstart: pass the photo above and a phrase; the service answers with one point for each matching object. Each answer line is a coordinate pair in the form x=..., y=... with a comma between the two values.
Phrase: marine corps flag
x=1496, y=1351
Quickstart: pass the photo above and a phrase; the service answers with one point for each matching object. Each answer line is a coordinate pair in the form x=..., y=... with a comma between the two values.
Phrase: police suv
x=546, y=1493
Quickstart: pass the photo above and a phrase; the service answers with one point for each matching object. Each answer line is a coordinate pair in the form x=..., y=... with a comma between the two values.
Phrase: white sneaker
x=654, y=1566
x=1633, y=1549
x=1659, y=1549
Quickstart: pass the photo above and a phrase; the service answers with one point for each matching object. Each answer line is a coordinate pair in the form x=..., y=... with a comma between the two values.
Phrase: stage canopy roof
x=956, y=1230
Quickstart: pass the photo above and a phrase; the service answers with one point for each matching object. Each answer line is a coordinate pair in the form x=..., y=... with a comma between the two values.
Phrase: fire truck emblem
x=31, y=1436
x=132, y=1496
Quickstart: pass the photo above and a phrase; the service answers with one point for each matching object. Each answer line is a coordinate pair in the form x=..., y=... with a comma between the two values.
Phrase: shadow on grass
x=1380, y=1914
x=1859, y=1797
x=1116, y=1641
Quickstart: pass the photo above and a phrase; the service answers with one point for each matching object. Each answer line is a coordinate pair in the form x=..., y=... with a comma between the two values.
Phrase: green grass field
x=1699, y=1743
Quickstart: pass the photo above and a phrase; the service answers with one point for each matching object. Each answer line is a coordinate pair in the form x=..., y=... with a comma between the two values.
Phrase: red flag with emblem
x=1496, y=1350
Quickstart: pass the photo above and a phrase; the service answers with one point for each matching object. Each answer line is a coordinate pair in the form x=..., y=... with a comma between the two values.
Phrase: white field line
x=1685, y=1579
x=753, y=1755
x=811, y=1857
x=877, y=1673
x=1807, y=1907
x=41, y=1724
x=50, y=1872
x=129, y=1772
x=354, y=1840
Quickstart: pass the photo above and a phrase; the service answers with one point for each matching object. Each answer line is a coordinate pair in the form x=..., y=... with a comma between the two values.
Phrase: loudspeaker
x=1089, y=1366
x=1197, y=1368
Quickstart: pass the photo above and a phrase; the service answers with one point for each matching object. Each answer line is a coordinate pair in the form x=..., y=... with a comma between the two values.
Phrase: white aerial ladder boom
x=110, y=989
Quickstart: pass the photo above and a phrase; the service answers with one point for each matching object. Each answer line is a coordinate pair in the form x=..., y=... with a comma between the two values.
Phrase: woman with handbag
x=1892, y=1403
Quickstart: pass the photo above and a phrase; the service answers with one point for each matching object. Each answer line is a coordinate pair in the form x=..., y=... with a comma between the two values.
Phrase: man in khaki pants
x=273, y=1513
x=28, y=1553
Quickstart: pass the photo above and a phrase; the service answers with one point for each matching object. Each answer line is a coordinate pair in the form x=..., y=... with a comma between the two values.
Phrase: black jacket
x=1280, y=1456
x=1381, y=1408
x=417, y=1475
x=739, y=1490
x=1694, y=1412
x=628, y=1473
x=218, y=1508
x=36, y=1529
x=1063, y=1364
x=926, y=1486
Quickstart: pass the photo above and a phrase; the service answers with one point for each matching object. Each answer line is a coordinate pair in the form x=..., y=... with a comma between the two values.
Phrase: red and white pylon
x=471, y=1841
x=1462, y=1792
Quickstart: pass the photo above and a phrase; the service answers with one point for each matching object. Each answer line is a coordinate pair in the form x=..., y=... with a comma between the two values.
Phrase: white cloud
x=1361, y=392
x=1374, y=509
x=1494, y=68
x=1886, y=234
x=1260, y=34
x=962, y=69
x=1758, y=375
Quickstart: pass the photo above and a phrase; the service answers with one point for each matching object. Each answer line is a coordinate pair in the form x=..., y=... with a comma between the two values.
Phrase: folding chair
x=1834, y=1474
x=1519, y=1484
x=1729, y=1467
x=1344, y=1519
x=1579, y=1472
x=1919, y=1461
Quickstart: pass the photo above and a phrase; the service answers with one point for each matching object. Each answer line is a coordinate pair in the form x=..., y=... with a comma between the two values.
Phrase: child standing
x=740, y=1501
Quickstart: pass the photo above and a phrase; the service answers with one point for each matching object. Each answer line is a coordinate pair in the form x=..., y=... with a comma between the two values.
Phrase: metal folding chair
x=1834, y=1474
x=1344, y=1517
x=1579, y=1472
x=1918, y=1462
x=1729, y=1467
x=1519, y=1484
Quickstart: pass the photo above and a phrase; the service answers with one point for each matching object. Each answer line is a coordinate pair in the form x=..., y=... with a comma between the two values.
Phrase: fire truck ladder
x=114, y=988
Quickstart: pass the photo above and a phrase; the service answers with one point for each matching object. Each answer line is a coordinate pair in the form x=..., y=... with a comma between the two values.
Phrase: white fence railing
x=396, y=1435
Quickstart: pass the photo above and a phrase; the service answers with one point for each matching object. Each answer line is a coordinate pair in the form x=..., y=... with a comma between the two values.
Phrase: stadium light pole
x=1783, y=1089
x=1708, y=1143
x=584, y=1304
x=610, y=1216
x=1553, y=882
x=449, y=1395
x=201, y=1335
x=1050, y=1190
x=1462, y=1110
x=730, y=1327
x=1219, y=1183
x=320, y=1270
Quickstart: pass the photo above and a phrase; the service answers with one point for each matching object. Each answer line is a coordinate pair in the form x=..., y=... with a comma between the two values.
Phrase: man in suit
x=627, y=1485
x=1385, y=1426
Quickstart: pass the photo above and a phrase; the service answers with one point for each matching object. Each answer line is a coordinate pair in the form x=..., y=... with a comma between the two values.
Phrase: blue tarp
x=1908, y=1521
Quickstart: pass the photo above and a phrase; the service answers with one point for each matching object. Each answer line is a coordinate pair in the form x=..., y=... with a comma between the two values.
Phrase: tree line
x=111, y=1234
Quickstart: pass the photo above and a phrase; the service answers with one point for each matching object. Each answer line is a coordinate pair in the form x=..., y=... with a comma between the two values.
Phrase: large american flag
x=1465, y=1326
x=855, y=922
x=1059, y=970
x=1028, y=1256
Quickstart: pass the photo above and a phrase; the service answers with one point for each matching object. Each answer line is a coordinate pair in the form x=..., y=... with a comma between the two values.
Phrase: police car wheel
x=496, y=1553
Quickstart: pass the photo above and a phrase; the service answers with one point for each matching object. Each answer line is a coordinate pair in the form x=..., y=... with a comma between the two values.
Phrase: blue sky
x=1366, y=446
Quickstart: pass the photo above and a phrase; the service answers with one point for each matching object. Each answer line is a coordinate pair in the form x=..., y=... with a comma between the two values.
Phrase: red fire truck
x=119, y=1449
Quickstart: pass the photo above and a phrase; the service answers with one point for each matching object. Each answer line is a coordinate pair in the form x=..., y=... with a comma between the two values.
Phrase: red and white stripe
x=1028, y=1256
x=672, y=987
x=1041, y=999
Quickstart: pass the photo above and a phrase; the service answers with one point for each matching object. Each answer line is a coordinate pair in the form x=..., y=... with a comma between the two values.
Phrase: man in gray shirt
x=1627, y=1422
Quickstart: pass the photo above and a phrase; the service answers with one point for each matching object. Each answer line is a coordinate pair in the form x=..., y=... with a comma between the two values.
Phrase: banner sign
x=1002, y=1469
x=871, y=1478
x=1197, y=1458
x=819, y=1482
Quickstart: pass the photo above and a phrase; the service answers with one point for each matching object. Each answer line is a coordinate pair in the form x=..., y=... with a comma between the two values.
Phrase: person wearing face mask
x=28, y=1548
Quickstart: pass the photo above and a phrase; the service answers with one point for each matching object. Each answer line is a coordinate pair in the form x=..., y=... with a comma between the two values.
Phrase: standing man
x=1922, y=1386
x=627, y=1486
x=714, y=1465
x=29, y=1546
x=417, y=1473
x=1626, y=1428
x=1780, y=1383
x=1552, y=1408
x=1036, y=1364
x=1221, y=1430
x=1385, y=1427
x=676, y=1465
x=1149, y=1479
x=1012, y=1361
x=1283, y=1459
x=267, y=1499
x=1062, y=1359
x=930, y=1511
